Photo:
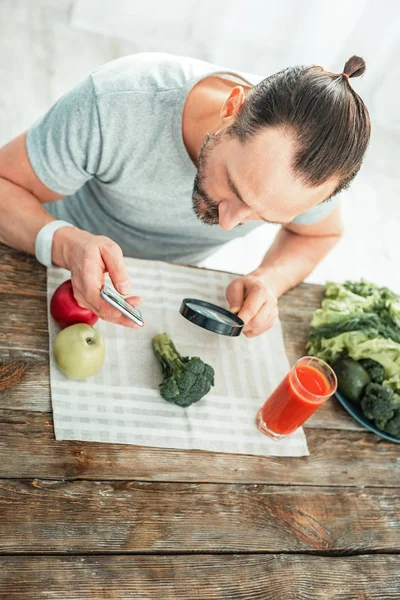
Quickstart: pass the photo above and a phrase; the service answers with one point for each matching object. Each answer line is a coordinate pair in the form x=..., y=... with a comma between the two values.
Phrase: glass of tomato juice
x=309, y=383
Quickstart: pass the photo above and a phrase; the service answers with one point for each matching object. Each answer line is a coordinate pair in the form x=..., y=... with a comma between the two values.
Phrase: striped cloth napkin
x=122, y=403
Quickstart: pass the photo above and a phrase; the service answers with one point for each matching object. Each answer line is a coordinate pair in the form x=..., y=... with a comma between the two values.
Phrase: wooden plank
x=332, y=415
x=200, y=577
x=11, y=373
x=21, y=274
x=32, y=392
x=295, y=309
x=108, y=517
x=17, y=423
x=355, y=458
x=23, y=323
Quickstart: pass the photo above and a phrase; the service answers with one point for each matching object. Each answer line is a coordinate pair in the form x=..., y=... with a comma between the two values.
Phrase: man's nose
x=230, y=217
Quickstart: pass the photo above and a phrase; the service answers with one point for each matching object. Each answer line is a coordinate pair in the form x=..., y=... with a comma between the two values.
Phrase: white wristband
x=44, y=241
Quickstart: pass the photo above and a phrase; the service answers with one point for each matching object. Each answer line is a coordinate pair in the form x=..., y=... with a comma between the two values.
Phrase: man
x=165, y=157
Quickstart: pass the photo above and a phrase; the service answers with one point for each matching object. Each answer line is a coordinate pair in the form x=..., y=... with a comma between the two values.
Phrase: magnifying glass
x=211, y=317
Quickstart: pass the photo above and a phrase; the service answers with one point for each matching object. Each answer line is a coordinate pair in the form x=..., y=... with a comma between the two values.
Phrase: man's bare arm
x=87, y=256
x=296, y=251
x=21, y=196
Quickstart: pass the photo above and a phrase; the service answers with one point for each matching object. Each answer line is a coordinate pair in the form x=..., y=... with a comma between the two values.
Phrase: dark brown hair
x=329, y=120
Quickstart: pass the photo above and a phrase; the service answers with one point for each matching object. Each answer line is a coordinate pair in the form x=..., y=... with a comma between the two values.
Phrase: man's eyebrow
x=233, y=188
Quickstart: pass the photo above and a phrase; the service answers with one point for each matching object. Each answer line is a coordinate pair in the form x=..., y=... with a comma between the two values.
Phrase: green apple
x=79, y=351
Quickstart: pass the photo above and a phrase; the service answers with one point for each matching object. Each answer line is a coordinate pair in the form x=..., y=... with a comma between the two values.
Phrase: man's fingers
x=113, y=259
x=235, y=295
x=134, y=300
x=254, y=300
x=99, y=256
x=262, y=321
x=87, y=294
x=113, y=315
x=86, y=286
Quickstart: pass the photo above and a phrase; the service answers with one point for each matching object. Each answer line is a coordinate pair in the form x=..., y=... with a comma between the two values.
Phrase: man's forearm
x=291, y=258
x=21, y=218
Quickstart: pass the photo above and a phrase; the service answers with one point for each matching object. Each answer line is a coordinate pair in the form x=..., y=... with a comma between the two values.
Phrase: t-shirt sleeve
x=64, y=146
x=317, y=213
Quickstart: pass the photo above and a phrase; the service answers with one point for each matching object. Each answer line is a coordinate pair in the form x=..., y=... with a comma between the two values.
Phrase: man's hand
x=254, y=303
x=296, y=250
x=89, y=257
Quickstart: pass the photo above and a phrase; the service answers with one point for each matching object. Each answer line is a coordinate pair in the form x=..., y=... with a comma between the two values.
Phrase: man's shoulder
x=148, y=72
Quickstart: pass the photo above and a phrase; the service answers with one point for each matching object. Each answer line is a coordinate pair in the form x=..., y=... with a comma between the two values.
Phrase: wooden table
x=101, y=521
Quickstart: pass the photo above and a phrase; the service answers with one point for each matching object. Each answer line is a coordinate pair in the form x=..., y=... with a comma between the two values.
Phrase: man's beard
x=205, y=208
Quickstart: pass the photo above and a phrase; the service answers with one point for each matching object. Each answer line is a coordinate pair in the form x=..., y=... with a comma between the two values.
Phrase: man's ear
x=232, y=104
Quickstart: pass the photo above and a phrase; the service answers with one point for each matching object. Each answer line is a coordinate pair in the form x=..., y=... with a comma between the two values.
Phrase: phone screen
x=119, y=302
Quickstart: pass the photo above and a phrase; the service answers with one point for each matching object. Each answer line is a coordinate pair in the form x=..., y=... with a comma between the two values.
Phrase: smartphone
x=119, y=302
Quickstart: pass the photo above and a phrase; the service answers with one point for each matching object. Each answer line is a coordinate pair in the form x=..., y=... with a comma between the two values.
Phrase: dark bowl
x=359, y=416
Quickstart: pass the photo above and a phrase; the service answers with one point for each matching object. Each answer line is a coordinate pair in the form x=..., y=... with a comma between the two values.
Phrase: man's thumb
x=235, y=295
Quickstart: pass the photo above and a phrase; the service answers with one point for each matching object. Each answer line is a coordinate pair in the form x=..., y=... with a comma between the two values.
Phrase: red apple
x=65, y=309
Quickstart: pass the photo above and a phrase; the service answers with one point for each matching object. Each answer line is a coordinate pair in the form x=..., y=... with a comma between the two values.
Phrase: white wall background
x=46, y=46
x=264, y=36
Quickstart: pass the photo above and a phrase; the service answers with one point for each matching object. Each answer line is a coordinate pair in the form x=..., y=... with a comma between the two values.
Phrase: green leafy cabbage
x=360, y=320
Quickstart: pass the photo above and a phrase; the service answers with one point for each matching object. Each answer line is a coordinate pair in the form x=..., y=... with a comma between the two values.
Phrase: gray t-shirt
x=113, y=148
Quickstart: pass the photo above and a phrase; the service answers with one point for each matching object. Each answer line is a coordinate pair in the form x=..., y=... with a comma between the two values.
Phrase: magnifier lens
x=211, y=317
x=211, y=314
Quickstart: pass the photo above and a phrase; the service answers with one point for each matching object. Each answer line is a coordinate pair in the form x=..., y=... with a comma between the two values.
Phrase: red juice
x=304, y=389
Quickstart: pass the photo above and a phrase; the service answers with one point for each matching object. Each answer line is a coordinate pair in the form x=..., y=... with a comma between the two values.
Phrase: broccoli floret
x=381, y=423
x=186, y=380
x=379, y=404
x=393, y=425
x=374, y=369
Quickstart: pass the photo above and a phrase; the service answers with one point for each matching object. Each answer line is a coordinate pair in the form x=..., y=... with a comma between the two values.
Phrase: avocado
x=352, y=378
